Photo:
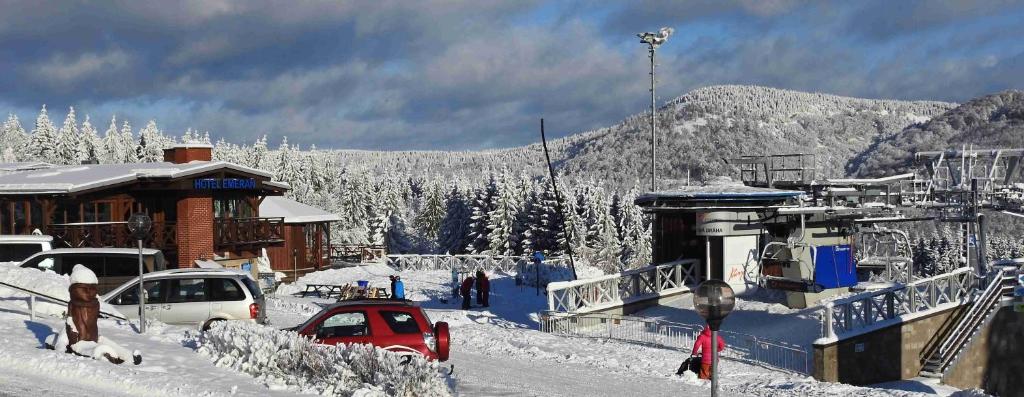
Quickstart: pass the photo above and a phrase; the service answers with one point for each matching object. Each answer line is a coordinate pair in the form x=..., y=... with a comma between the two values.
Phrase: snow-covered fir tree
x=67, y=147
x=44, y=139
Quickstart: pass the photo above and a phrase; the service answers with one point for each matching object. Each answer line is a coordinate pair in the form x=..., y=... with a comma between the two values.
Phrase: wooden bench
x=324, y=290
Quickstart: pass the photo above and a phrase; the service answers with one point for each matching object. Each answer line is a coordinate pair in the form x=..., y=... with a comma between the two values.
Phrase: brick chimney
x=186, y=152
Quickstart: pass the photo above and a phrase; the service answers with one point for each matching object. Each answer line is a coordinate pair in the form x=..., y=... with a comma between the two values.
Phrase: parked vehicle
x=399, y=326
x=16, y=248
x=194, y=297
x=113, y=266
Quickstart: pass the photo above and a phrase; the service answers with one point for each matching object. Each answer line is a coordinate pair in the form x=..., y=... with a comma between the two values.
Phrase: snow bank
x=285, y=360
x=43, y=282
x=554, y=272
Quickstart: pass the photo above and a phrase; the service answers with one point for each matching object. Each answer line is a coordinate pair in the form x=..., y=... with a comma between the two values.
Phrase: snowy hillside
x=722, y=120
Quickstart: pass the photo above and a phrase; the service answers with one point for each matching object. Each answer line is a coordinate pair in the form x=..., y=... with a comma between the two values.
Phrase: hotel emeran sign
x=224, y=184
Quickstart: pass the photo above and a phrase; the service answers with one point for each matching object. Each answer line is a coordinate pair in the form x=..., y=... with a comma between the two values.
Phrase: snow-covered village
x=520, y=198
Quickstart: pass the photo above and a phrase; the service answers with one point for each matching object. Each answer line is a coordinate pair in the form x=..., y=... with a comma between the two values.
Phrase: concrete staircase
x=983, y=309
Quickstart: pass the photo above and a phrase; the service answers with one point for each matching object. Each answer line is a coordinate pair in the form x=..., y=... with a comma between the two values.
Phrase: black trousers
x=465, y=301
x=483, y=298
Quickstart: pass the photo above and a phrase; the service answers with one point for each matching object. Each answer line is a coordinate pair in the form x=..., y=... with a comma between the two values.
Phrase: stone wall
x=888, y=354
x=995, y=359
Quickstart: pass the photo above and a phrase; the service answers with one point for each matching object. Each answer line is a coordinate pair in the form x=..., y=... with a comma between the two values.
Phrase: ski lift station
x=838, y=247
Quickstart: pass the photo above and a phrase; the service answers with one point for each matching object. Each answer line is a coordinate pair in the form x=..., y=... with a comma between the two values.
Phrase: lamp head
x=139, y=224
x=714, y=300
x=656, y=39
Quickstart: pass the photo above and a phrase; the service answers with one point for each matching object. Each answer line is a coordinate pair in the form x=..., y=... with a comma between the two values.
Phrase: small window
x=343, y=324
x=401, y=322
x=122, y=266
x=93, y=262
x=130, y=296
x=17, y=252
x=42, y=262
x=225, y=289
x=254, y=288
x=187, y=290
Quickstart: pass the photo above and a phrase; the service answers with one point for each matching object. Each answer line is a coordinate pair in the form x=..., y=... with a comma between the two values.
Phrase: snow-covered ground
x=495, y=352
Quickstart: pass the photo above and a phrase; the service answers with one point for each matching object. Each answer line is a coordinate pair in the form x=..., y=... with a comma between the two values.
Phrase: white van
x=15, y=248
x=193, y=297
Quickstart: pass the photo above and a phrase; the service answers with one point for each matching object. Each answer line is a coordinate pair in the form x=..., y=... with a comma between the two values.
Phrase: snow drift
x=286, y=360
x=43, y=282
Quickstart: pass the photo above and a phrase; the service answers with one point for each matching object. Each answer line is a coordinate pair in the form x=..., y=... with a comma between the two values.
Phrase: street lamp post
x=653, y=41
x=714, y=300
x=139, y=225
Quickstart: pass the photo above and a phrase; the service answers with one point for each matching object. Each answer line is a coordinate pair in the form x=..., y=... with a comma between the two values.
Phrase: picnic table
x=343, y=292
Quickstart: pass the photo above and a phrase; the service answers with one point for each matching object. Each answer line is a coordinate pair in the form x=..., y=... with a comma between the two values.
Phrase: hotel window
x=99, y=211
x=232, y=208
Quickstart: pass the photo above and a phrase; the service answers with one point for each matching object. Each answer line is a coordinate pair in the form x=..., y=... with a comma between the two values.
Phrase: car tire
x=209, y=323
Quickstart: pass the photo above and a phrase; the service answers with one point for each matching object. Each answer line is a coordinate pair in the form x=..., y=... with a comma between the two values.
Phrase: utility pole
x=653, y=41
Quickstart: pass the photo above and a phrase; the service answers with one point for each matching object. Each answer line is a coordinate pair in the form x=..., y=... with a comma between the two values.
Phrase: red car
x=399, y=326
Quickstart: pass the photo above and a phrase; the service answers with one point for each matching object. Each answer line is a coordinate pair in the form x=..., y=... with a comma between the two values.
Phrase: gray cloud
x=468, y=75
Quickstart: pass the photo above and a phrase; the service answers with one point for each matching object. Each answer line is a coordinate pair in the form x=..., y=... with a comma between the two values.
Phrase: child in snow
x=483, y=288
x=80, y=334
x=465, y=290
x=703, y=345
x=397, y=288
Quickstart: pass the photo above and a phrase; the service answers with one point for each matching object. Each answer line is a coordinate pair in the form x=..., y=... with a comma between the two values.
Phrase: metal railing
x=851, y=315
x=981, y=312
x=660, y=333
x=488, y=263
x=617, y=289
x=32, y=295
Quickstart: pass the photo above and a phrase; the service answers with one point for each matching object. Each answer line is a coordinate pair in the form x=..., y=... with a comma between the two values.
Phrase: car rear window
x=18, y=252
x=401, y=322
x=224, y=289
x=254, y=288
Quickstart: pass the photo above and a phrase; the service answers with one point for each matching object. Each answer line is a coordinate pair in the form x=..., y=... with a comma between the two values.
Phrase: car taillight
x=254, y=311
x=430, y=341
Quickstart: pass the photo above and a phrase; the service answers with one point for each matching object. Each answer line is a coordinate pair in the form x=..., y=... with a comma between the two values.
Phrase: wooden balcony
x=112, y=234
x=241, y=233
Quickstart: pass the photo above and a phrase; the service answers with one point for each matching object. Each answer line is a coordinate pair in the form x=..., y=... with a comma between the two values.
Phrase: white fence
x=617, y=289
x=488, y=263
x=740, y=347
x=868, y=311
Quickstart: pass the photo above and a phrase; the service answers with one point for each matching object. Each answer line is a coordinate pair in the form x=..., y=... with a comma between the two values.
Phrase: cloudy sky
x=396, y=75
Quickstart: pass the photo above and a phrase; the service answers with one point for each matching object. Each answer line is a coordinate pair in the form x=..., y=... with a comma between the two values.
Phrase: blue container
x=363, y=284
x=834, y=267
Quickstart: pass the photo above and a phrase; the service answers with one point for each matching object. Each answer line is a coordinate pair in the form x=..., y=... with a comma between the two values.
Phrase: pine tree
x=68, y=140
x=432, y=213
x=126, y=146
x=454, y=230
x=44, y=139
x=483, y=205
x=90, y=147
x=501, y=220
x=13, y=138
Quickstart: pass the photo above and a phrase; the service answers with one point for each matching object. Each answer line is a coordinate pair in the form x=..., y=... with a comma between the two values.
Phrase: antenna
x=558, y=202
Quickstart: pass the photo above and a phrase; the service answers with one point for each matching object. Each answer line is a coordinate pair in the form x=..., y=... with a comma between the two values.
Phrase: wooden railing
x=230, y=233
x=162, y=236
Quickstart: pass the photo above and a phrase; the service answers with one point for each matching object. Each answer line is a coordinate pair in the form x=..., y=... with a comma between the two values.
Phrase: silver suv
x=15, y=248
x=194, y=297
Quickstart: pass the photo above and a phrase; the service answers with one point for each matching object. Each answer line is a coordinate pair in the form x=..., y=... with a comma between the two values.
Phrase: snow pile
x=421, y=285
x=42, y=282
x=554, y=272
x=285, y=360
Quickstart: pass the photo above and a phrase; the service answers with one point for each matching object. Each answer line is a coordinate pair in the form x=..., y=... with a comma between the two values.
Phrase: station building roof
x=71, y=179
x=720, y=195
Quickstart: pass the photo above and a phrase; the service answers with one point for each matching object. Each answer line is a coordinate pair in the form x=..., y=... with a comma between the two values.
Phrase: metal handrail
x=849, y=315
x=32, y=302
x=970, y=323
x=661, y=333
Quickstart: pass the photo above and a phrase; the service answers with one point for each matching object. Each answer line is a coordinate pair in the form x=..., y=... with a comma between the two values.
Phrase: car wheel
x=209, y=323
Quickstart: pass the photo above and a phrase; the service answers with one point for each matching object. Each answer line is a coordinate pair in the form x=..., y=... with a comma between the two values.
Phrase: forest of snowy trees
x=500, y=213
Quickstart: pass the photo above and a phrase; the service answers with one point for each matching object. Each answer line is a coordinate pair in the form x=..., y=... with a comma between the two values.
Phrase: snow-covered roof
x=23, y=166
x=77, y=178
x=294, y=212
x=719, y=192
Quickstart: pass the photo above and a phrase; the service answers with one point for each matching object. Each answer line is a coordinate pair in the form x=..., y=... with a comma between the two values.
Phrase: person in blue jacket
x=397, y=288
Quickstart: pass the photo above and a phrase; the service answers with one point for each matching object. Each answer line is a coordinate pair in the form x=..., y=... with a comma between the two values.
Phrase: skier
x=483, y=289
x=467, y=287
x=397, y=288
x=703, y=345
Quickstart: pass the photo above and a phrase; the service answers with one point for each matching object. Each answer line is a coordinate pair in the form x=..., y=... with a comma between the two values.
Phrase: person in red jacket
x=464, y=290
x=703, y=345
x=483, y=289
